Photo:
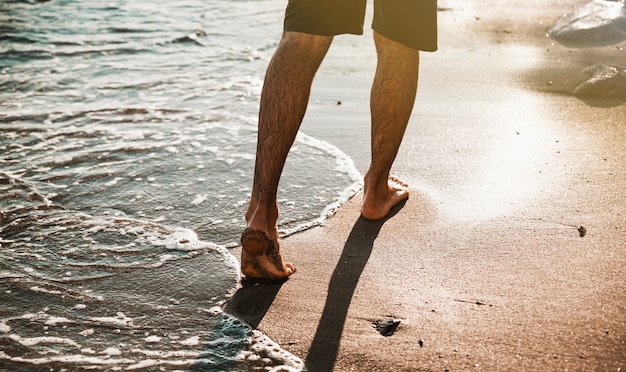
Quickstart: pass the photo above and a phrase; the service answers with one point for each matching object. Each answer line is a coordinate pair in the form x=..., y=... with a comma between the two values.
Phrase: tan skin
x=284, y=101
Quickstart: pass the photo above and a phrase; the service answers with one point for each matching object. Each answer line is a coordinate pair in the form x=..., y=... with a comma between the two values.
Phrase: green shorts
x=410, y=22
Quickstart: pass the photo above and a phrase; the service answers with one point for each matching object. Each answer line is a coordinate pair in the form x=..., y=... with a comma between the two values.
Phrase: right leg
x=284, y=101
x=392, y=99
x=401, y=29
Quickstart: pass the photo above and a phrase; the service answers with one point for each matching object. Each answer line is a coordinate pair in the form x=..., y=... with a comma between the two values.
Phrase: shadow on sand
x=252, y=301
x=356, y=252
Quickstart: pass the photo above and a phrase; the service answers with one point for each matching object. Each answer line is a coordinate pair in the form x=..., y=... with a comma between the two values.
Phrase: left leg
x=284, y=101
x=309, y=28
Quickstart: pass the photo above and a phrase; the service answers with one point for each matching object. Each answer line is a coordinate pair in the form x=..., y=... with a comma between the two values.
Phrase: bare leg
x=284, y=100
x=392, y=99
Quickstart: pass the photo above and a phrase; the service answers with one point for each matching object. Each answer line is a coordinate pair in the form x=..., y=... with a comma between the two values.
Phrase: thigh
x=325, y=17
x=410, y=22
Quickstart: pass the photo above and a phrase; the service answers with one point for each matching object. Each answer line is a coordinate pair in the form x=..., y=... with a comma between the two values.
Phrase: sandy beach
x=510, y=253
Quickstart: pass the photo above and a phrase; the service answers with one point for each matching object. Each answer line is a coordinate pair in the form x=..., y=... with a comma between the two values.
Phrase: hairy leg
x=284, y=100
x=392, y=99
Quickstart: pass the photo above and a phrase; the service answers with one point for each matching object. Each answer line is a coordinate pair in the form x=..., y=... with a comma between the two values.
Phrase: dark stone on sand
x=387, y=327
x=582, y=231
x=606, y=82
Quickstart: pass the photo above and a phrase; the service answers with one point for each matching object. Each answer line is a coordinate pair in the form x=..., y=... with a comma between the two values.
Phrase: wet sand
x=486, y=266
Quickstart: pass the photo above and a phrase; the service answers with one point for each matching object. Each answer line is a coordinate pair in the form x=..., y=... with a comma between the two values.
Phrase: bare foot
x=260, y=257
x=378, y=201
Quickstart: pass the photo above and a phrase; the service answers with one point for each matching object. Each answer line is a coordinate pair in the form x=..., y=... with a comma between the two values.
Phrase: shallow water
x=127, y=134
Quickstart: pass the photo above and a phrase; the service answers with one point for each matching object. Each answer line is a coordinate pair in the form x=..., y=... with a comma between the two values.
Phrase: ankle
x=262, y=217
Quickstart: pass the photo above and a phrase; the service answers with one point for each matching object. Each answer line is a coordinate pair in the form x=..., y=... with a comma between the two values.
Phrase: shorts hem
x=311, y=31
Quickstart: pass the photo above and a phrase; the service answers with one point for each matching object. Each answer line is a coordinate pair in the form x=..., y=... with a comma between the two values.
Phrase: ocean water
x=127, y=140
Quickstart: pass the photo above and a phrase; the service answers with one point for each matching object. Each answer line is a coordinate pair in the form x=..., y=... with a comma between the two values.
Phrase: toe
x=290, y=269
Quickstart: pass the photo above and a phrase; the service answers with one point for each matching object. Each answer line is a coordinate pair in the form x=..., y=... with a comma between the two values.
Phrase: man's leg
x=392, y=99
x=284, y=101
